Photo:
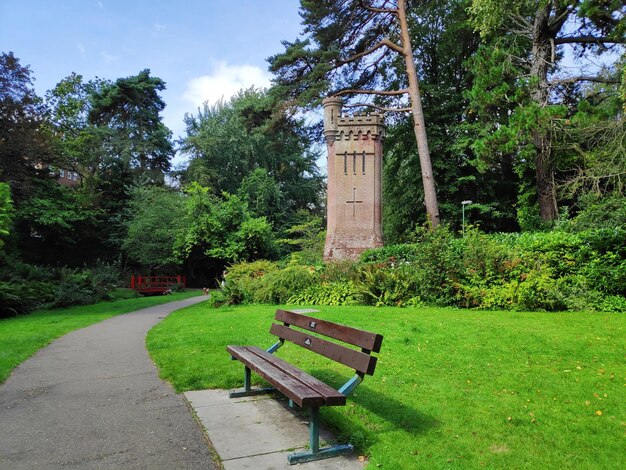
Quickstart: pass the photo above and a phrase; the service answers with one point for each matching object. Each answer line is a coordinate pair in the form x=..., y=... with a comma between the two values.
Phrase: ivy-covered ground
x=453, y=388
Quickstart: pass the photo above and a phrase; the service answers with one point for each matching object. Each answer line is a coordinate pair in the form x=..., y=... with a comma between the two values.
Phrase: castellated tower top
x=338, y=127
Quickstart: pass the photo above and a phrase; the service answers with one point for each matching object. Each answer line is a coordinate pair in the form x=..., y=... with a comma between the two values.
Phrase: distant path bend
x=93, y=399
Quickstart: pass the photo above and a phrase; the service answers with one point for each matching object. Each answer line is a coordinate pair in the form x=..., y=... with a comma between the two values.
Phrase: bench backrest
x=361, y=361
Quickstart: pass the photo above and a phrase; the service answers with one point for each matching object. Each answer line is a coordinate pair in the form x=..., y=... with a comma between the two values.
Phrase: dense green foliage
x=105, y=142
x=524, y=97
x=250, y=145
x=452, y=389
x=551, y=271
x=24, y=287
x=155, y=216
x=510, y=122
x=6, y=211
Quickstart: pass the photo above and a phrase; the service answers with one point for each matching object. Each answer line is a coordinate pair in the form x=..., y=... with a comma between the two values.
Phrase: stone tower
x=354, y=210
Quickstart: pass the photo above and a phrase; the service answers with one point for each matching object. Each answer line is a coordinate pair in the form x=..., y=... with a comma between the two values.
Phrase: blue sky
x=203, y=49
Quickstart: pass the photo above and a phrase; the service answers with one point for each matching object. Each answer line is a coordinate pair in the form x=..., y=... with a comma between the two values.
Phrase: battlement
x=361, y=119
x=339, y=126
x=359, y=126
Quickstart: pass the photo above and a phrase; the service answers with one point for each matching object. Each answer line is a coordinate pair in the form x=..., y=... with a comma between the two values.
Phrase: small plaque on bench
x=307, y=341
x=312, y=325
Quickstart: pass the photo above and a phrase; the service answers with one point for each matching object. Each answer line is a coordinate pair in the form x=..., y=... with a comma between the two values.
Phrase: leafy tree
x=80, y=144
x=528, y=39
x=305, y=238
x=263, y=196
x=24, y=144
x=252, y=140
x=129, y=108
x=155, y=218
x=592, y=146
x=6, y=212
x=356, y=47
x=445, y=41
x=57, y=225
x=217, y=231
x=112, y=134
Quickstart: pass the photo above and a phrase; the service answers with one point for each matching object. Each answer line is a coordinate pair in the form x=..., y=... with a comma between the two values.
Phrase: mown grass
x=21, y=337
x=453, y=389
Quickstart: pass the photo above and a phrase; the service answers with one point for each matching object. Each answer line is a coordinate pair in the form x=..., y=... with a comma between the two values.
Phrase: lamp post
x=463, y=204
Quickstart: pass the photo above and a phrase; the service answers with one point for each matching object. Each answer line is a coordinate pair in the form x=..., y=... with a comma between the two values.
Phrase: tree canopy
x=230, y=142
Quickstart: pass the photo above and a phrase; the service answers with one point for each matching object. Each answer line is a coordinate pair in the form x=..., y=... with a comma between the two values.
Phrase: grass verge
x=453, y=389
x=21, y=337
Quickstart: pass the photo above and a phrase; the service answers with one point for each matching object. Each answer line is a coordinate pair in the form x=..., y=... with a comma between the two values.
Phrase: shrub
x=612, y=303
x=105, y=278
x=550, y=271
x=386, y=284
x=539, y=291
x=403, y=252
x=278, y=286
x=429, y=263
x=606, y=269
x=74, y=288
x=328, y=293
x=217, y=299
x=24, y=288
x=340, y=271
x=84, y=286
x=599, y=213
x=485, y=296
x=242, y=280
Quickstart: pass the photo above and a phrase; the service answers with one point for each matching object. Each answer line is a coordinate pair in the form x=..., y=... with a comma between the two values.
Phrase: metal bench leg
x=247, y=389
x=314, y=452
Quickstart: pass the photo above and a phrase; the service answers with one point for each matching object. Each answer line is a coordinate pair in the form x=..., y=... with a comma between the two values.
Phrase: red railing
x=156, y=284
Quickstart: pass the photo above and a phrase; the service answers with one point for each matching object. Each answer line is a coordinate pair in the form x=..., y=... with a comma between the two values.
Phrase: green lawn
x=21, y=337
x=453, y=388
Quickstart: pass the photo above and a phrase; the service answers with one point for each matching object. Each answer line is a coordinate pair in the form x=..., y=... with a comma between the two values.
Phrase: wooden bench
x=301, y=388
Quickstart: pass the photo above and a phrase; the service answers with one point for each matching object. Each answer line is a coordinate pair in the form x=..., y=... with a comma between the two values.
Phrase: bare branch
x=560, y=81
x=379, y=108
x=383, y=43
x=525, y=28
x=359, y=28
x=378, y=10
x=587, y=40
x=558, y=22
x=404, y=91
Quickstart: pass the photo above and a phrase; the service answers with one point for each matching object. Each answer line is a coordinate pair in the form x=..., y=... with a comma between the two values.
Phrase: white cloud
x=159, y=27
x=81, y=48
x=224, y=82
x=108, y=58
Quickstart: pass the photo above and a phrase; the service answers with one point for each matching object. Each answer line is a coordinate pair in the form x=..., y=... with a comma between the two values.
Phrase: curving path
x=93, y=399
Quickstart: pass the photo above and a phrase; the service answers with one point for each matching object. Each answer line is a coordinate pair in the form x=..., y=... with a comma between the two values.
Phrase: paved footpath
x=93, y=399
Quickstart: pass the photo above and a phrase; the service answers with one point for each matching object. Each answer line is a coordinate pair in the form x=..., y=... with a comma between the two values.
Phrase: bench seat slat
x=297, y=385
x=286, y=384
x=333, y=397
x=354, y=359
x=361, y=338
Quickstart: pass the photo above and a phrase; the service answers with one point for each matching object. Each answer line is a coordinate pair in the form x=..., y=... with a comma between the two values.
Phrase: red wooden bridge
x=156, y=284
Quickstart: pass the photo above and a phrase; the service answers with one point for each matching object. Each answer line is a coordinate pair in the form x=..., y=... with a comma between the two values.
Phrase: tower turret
x=332, y=113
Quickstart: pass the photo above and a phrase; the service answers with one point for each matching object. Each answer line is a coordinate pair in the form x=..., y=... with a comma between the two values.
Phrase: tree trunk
x=430, y=194
x=541, y=59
